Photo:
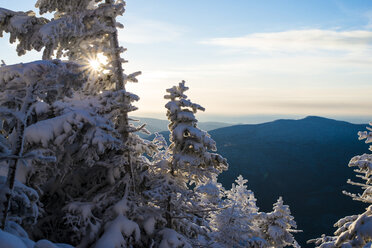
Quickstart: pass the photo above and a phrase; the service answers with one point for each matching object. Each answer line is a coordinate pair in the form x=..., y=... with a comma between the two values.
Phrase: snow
x=58, y=129
x=190, y=146
x=171, y=239
x=209, y=188
x=365, y=229
x=44, y=131
x=46, y=244
x=83, y=208
x=24, y=200
x=116, y=231
x=20, y=23
x=121, y=207
x=41, y=108
x=149, y=225
x=62, y=5
x=22, y=26
x=359, y=231
x=8, y=240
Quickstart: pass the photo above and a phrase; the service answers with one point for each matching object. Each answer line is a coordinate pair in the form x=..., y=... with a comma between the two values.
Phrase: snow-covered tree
x=210, y=194
x=235, y=224
x=26, y=89
x=86, y=129
x=277, y=226
x=239, y=223
x=355, y=230
x=35, y=121
x=188, y=160
x=190, y=146
x=240, y=196
x=82, y=30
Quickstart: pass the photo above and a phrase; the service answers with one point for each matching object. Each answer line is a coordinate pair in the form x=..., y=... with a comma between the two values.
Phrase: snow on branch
x=23, y=27
x=190, y=145
x=50, y=80
x=63, y=5
x=61, y=33
x=23, y=205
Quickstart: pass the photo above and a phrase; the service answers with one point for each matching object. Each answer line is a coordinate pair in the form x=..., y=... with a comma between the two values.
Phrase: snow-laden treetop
x=64, y=5
x=190, y=146
x=75, y=26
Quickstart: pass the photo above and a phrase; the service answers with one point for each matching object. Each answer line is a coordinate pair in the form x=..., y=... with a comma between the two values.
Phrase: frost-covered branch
x=23, y=27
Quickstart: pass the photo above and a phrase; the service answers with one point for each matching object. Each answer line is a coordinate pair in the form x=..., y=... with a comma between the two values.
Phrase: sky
x=246, y=61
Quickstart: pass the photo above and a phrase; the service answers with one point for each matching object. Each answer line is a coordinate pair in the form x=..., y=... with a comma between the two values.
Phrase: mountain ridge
x=304, y=160
x=158, y=125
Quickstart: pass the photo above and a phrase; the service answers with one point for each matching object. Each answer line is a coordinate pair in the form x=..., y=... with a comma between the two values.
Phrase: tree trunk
x=17, y=151
x=168, y=213
x=118, y=72
x=12, y=170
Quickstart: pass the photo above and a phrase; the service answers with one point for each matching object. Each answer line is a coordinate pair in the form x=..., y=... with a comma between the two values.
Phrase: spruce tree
x=27, y=93
x=235, y=224
x=277, y=226
x=186, y=170
x=191, y=160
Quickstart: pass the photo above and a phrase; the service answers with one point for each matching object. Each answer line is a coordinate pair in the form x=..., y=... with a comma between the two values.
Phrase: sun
x=95, y=64
x=98, y=62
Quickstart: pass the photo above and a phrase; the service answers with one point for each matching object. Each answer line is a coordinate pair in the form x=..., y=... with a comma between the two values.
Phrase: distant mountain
x=157, y=125
x=305, y=161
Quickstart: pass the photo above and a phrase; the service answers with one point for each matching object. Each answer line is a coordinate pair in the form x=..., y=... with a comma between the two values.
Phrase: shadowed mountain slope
x=305, y=161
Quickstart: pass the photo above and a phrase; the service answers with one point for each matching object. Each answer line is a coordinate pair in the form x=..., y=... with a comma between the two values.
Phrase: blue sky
x=247, y=61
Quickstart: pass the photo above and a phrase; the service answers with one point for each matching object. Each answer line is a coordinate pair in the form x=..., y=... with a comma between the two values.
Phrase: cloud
x=297, y=72
x=368, y=16
x=326, y=106
x=292, y=41
x=146, y=31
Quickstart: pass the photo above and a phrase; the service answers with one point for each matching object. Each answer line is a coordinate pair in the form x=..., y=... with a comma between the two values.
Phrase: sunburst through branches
x=96, y=64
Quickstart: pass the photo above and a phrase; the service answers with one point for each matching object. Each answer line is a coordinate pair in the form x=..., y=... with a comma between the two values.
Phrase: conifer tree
x=98, y=157
x=236, y=223
x=27, y=91
x=277, y=226
x=191, y=160
x=187, y=162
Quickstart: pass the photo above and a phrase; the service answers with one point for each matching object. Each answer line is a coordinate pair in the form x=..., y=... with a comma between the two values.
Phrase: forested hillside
x=304, y=160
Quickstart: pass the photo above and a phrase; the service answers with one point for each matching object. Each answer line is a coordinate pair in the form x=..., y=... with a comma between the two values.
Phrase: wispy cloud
x=146, y=31
x=292, y=41
x=299, y=72
x=368, y=15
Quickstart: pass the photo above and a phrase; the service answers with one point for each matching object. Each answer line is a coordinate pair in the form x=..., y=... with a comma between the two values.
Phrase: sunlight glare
x=95, y=64
x=98, y=62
